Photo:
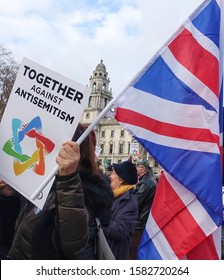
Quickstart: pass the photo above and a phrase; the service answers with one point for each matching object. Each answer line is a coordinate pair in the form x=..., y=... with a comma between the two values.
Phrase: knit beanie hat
x=126, y=171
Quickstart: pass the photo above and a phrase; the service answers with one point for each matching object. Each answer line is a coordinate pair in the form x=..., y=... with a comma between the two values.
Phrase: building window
x=119, y=161
x=112, y=133
x=103, y=133
x=111, y=149
x=122, y=133
x=105, y=102
x=87, y=115
x=102, y=148
x=90, y=101
x=121, y=148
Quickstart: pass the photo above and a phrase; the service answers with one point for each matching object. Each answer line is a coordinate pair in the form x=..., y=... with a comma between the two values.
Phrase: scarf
x=121, y=190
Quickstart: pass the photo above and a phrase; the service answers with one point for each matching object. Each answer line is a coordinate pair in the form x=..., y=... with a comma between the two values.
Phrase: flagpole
x=103, y=112
x=79, y=141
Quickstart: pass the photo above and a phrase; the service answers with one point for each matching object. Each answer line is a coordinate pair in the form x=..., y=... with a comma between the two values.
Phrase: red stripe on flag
x=206, y=250
x=196, y=59
x=175, y=221
x=167, y=129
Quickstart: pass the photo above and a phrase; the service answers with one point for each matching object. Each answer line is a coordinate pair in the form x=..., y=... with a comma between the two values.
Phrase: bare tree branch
x=8, y=72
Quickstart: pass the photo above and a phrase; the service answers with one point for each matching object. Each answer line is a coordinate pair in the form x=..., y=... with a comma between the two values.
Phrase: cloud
x=71, y=37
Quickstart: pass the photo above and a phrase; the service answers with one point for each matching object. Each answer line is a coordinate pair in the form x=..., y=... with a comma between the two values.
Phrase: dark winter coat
x=60, y=230
x=123, y=220
x=98, y=200
x=144, y=193
x=9, y=211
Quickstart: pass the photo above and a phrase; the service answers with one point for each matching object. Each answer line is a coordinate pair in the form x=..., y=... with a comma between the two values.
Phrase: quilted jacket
x=59, y=230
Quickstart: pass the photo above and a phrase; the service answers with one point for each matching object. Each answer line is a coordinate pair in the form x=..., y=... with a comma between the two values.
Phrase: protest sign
x=134, y=150
x=97, y=151
x=42, y=112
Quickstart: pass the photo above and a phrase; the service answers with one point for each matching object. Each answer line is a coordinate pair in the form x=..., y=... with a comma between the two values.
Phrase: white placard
x=42, y=112
x=97, y=151
x=134, y=150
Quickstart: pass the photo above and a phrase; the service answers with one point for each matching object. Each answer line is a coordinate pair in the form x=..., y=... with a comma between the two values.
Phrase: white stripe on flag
x=204, y=41
x=193, y=205
x=154, y=107
x=189, y=79
x=171, y=141
x=159, y=240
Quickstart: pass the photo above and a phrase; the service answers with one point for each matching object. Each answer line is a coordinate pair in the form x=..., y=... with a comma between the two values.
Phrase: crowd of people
x=66, y=228
x=121, y=198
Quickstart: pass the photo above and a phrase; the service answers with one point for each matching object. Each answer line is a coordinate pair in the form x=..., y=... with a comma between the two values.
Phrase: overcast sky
x=72, y=36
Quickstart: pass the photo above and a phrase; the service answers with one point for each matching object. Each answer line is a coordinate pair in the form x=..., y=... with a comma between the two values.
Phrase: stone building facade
x=113, y=141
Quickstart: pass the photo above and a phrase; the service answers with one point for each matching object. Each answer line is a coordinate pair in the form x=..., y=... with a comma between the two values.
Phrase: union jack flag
x=172, y=107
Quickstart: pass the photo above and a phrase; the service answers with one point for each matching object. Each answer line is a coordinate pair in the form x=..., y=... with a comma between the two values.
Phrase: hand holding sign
x=42, y=112
x=68, y=158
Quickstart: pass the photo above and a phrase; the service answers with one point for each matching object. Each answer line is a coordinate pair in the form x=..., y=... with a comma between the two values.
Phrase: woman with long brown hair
x=98, y=195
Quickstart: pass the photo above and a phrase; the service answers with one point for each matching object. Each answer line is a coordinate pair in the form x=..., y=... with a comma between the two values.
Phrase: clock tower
x=100, y=94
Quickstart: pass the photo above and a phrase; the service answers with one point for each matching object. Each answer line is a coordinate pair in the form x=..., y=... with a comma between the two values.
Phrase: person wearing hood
x=124, y=210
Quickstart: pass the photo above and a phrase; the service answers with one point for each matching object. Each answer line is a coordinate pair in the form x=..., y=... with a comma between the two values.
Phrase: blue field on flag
x=172, y=107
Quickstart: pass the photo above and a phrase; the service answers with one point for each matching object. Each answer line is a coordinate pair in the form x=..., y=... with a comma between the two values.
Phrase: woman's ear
x=121, y=180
